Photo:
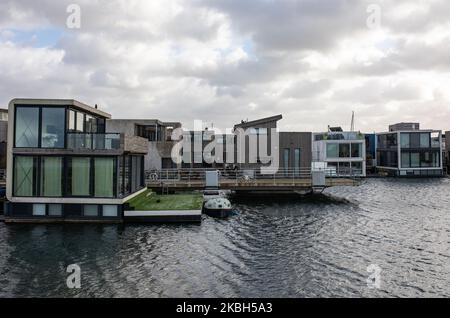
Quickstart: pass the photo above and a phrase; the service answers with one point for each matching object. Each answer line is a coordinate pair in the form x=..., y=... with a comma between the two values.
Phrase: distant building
x=344, y=153
x=404, y=126
x=158, y=137
x=446, y=150
x=371, y=152
x=410, y=152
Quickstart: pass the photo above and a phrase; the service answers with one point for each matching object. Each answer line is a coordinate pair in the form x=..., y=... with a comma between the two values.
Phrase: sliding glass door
x=104, y=177
x=24, y=176
x=80, y=172
x=51, y=176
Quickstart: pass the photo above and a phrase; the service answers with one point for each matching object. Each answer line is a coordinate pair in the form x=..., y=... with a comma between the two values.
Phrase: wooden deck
x=292, y=185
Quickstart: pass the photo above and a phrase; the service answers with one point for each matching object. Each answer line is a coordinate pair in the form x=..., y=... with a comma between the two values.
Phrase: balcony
x=94, y=141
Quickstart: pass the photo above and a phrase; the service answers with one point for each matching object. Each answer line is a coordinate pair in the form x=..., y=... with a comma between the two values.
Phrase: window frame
x=39, y=136
x=37, y=167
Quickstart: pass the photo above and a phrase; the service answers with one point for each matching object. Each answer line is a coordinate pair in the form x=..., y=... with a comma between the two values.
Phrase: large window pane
x=24, y=176
x=415, y=140
x=51, y=176
x=424, y=140
x=286, y=155
x=436, y=159
x=72, y=120
x=27, y=127
x=104, y=177
x=357, y=150
x=415, y=160
x=53, y=122
x=405, y=160
x=404, y=137
x=80, y=176
x=297, y=161
x=332, y=150
x=344, y=150
x=80, y=122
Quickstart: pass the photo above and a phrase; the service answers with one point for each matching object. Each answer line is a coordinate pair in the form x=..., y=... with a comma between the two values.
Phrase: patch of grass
x=150, y=201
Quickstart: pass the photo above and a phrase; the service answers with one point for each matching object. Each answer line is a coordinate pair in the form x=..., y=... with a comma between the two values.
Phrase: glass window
x=415, y=159
x=436, y=159
x=262, y=131
x=91, y=124
x=71, y=119
x=53, y=122
x=356, y=150
x=425, y=159
x=80, y=121
x=405, y=160
x=51, y=176
x=127, y=164
x=344, y=168
x=24, y=176
x=90, y=210
x=80, y=176
x=391, y=140
x=39, y=209
x=404, y=139
x=286, y=155
x=357, y=168
x=110, y=210
x=104, y=177
x=297, y=161
x=332, y=150
x=344, y=150
x=100, y=125
x=415, y=140
x=55, y=209
x=27, y=127
x=424, y=140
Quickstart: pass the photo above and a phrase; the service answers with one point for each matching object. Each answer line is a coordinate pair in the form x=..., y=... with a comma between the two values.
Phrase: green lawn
x=150, y=201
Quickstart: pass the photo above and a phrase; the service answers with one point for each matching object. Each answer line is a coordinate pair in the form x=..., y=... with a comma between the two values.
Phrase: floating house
x=407, y=150
x=63, y=166
x=341, y=153
x=156, y=136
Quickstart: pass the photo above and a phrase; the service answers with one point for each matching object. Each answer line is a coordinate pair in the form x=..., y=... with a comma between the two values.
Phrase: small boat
x=217, y=207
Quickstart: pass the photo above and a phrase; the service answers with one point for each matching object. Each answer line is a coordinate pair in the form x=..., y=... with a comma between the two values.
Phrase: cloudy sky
x=226, y=60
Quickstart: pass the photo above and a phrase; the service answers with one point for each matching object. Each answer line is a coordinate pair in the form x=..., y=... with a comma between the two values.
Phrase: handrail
x=93, y=141
x=244, y=175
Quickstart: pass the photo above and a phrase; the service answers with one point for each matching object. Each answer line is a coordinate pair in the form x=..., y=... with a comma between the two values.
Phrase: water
x=283, y=248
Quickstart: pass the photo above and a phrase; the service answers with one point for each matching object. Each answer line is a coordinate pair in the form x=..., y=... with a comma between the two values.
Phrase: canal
x=318, y=246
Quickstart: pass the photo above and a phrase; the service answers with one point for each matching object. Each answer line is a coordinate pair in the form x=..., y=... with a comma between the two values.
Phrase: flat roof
x=409, y=131
x=60, y=102
x=149, y=122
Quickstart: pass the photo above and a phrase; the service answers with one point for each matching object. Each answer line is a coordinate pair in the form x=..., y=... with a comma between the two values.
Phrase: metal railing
x=93, y=141
x=243, y=175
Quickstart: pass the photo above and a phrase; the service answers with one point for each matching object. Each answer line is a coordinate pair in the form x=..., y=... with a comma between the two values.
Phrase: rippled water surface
x=270, y=248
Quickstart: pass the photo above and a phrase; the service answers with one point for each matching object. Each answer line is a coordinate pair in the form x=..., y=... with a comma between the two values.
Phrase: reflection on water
x=291, y=247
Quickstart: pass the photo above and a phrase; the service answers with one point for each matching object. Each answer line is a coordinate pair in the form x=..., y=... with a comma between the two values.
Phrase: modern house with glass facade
x=62, y=166
x=157, y=136
x=341, y=153
x=411, y=152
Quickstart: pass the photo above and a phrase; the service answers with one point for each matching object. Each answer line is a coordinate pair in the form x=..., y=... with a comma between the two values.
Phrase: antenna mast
x=352, y=125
